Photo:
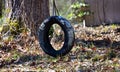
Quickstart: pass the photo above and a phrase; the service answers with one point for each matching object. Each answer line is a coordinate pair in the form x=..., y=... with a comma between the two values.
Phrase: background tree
x=0, y=8
x=30, y=12
x=72, y=1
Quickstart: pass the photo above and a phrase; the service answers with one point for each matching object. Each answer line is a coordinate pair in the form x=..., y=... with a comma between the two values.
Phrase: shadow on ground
x=23, y=59
x=98, y=43
x=28, y=58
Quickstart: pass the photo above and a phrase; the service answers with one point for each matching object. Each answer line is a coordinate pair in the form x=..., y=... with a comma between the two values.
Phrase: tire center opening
x=56, y=36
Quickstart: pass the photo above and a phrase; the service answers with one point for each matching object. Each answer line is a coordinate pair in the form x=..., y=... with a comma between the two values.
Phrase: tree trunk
x=31, y=12
x=34, y=12
x=0, y=8
x=72, y=1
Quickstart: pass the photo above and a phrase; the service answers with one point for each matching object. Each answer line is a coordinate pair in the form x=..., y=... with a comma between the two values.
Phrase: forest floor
x=96, y=49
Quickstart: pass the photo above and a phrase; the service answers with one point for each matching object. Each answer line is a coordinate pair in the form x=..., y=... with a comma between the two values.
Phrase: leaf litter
x=95, y=49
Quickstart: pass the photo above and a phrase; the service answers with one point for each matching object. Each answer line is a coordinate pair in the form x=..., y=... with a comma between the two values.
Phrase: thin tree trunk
x=0, y=8
x=8, y=8
x=72, y=1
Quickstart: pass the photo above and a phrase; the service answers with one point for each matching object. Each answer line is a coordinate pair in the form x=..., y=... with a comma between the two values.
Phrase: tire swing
x=43, y=35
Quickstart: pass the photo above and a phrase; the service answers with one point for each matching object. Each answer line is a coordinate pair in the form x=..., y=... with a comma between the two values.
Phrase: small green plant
x=111, y=54
x=96, y=58
x=113, y=26
x=51, y=31
x=1, y=20
x=12, y=26
x=15, y=56
x=79, y=11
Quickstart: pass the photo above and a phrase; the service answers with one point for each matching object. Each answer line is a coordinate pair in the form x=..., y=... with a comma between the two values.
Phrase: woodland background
x=97, y=36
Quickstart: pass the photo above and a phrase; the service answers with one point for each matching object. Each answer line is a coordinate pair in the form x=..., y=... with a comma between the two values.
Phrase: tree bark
x=0, y=8
x=34, y=12
x=31, y=12
x=72, y=1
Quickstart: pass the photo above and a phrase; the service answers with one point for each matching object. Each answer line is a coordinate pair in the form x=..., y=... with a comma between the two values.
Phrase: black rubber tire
x=68, y=36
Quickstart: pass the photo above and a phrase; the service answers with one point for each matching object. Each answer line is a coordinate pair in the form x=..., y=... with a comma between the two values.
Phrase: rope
x=55, y=10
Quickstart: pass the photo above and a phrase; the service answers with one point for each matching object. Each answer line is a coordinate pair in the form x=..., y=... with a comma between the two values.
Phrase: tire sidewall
x=68, y=32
